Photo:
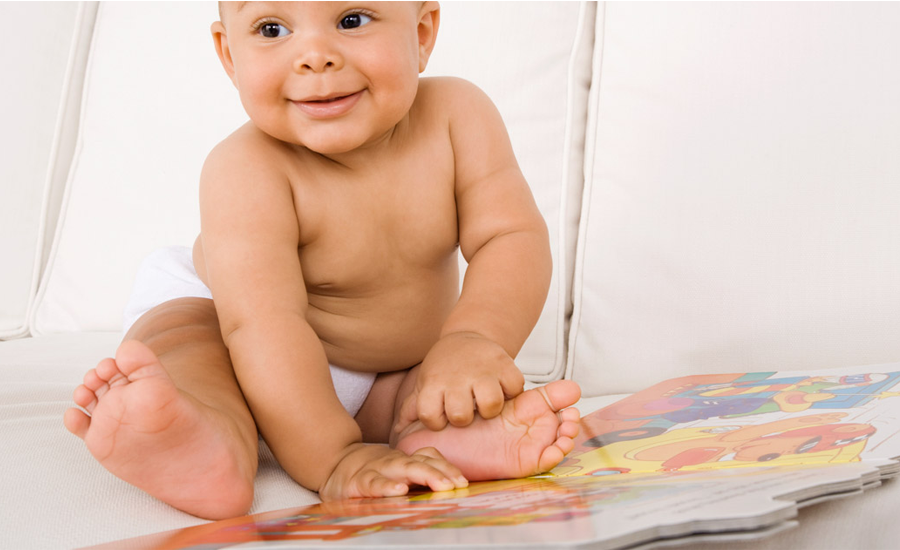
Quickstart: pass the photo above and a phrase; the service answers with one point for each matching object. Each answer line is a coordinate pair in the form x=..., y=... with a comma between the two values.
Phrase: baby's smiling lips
x=330, y=106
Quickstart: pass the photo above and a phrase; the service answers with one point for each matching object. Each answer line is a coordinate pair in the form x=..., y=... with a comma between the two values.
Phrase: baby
x=330, y=225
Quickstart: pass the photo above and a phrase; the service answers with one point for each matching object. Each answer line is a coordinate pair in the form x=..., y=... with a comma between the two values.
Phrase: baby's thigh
x=378, y=413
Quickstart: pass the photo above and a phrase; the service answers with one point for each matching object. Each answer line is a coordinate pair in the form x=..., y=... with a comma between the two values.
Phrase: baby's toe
x=106, y=370
x=84, y=397
x=76, y=422
x=92, y=380
x=569, y=423
x=565, y=444
x=550, y=457
x=561, y=393
x=570, y=415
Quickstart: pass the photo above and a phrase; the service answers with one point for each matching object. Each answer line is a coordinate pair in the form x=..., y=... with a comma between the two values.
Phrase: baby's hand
x=379, y=471
x=462, y=373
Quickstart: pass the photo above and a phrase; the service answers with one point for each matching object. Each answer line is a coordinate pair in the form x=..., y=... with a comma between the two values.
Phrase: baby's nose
x=317, y=56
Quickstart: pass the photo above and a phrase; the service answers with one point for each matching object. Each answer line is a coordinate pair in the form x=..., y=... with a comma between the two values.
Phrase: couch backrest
x=150, y=114
x=735, y=210
x=742, y=192
x=37, y=68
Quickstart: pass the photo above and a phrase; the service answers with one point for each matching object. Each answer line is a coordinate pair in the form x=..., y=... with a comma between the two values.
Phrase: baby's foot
x=148, y=433
x=531, y=435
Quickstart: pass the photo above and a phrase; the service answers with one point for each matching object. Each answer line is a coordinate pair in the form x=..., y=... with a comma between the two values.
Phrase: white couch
x=721, y=183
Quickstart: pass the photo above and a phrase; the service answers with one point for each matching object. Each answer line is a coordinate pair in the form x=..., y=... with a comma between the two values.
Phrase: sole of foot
x=141, y=428
x=532, y=434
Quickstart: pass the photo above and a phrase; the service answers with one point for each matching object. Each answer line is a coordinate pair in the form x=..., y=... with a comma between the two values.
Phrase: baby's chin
x=339, y=145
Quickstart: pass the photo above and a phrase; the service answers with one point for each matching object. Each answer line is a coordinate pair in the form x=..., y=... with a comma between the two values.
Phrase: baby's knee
x=183, y=318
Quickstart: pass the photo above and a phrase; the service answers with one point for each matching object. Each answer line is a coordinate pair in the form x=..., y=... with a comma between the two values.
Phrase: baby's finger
x=407, y=414
x=512, y=381
x=489, y=398
x=459, y=406
x=430, y=409
x=381, y=486
x=415, y=471
x=435, y=459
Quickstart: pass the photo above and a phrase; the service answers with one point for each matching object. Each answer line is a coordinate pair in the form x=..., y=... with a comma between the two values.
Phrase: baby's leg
x=376, y=417
x=167, y=415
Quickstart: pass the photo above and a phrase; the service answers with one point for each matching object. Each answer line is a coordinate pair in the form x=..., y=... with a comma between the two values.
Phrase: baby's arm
x=504, y=238
x=250, y=238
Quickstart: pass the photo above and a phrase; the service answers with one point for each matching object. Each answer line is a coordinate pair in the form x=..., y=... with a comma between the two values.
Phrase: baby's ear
x=429, y=21
x=220, y=39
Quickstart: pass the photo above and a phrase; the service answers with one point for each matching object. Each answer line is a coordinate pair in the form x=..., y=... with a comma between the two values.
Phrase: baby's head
x=330, y=76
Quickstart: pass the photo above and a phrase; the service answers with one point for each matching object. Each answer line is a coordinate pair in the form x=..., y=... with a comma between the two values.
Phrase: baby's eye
x=354, y=20
x=273, y=30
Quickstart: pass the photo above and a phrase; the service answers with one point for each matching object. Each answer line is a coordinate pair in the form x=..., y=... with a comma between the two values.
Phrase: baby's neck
x=369, y=154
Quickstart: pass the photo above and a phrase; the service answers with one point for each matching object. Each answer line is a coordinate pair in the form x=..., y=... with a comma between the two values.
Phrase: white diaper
x=168, y=273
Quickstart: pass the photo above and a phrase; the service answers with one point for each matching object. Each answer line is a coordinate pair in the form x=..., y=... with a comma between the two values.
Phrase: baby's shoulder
x=452, y=96
x=247, y=156
x=447, y=86
x=246, y=144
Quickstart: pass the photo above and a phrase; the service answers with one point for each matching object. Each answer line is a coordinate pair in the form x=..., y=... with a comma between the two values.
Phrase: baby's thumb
x=512, y=381
x=407, y=414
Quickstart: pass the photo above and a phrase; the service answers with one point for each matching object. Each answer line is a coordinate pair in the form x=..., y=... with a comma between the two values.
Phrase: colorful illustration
x=686, y=454
x=504, y=503
x=727, y=421
x=560, y=512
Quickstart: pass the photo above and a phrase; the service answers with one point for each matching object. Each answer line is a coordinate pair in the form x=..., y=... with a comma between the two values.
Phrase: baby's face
x=330, y=76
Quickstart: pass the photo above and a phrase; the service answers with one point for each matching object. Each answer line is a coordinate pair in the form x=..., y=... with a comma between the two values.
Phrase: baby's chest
x=382, y=233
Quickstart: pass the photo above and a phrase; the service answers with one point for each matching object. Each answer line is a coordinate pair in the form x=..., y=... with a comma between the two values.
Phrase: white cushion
x=34, y=68
x=151, y=115
x=742, y=197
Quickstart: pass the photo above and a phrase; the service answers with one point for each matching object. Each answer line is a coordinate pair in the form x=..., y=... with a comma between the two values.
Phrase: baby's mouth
x=330, y=100
x=328, y=107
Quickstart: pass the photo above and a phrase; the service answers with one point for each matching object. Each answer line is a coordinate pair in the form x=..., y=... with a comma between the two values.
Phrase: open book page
x=567, y=512
x=738, y=420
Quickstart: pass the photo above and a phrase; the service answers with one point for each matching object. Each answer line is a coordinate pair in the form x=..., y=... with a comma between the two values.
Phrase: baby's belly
x=389, y=332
